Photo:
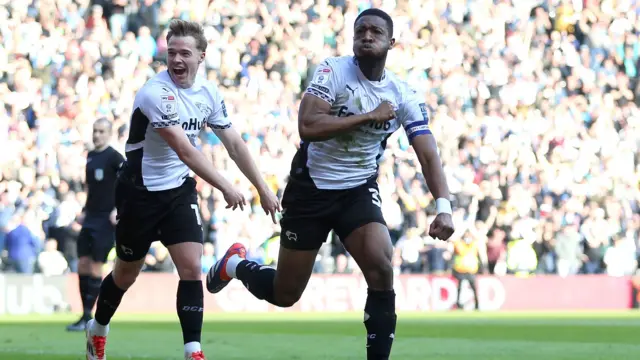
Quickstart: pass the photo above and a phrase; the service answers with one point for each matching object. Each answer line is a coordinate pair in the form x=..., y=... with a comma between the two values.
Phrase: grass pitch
x=280, y=336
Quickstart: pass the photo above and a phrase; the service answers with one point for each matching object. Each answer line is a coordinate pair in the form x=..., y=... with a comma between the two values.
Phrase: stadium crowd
x=535, y=106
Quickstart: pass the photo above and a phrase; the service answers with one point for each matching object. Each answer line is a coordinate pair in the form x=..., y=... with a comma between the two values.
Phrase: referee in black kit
x=97, y=236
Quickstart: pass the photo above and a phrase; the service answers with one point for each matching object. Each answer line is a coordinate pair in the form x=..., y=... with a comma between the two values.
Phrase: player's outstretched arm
x=427, y=151
x=239, y=153
x=196, y=161
x=316, y=124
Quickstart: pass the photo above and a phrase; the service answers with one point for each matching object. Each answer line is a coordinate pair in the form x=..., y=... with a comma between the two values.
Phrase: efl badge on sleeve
x=168, y=104
x=322, y=76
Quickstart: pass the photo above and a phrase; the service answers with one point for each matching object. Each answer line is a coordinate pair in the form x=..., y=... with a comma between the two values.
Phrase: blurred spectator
x=497, y=252
x=64, y=226
x=437, y=255
x=521, y=258
x=22, y=246
x=618, y=259
x=50, y=260
x=469, y=259
x=342, y=264
x=158, y=259
x=410, y=249
x=208, y=257
x=6, y=213
x=568, y=250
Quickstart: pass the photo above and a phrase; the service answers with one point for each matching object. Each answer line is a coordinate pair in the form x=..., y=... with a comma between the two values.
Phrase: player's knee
x=190, y=271
x=287, y=293
x=125, y=273
x=288, y=298
x=187, y=258
x=380, y=275
x=124, y=279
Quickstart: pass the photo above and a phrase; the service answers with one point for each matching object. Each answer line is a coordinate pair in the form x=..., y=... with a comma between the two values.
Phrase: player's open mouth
x=179, y=72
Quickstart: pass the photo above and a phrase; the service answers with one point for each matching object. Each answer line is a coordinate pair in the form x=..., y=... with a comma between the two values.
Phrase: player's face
x=101, y=135
x=183, y=60
x=371, y=38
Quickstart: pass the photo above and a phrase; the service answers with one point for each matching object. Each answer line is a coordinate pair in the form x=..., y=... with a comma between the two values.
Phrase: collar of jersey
x=382, y=81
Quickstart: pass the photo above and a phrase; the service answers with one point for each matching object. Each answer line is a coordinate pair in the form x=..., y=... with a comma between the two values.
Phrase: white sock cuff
x=232, y=264
x=99, y=330
x=192, y=347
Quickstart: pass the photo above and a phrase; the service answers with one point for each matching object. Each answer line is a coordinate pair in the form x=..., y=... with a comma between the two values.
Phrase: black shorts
x=96, y=237
x=309, y=213
x=170, y=216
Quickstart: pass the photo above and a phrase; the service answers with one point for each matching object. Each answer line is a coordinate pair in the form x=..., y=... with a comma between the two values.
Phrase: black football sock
x=108, y=300
x=257, y=279
x=190, y=304
x=83, y=283
x=380, y=322
x=92, y=291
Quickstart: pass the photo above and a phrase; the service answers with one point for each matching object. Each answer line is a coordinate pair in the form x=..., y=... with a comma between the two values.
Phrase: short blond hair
x=181, y=28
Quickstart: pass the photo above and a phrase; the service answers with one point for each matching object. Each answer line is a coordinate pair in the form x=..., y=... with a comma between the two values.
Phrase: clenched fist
x=385, y=111
x=442, y=227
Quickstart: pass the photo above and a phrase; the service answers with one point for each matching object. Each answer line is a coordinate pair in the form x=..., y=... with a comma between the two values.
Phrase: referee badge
x=98, y=174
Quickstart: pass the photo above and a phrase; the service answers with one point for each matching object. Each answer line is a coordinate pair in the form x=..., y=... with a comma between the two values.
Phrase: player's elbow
x=307, y=132
x=304, y=134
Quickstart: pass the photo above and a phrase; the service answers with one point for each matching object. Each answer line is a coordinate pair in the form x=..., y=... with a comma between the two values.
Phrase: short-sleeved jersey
x=160, y=104
x=349, y=160
x=101, y=170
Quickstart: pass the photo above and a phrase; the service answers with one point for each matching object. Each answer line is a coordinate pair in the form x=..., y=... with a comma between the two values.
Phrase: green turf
x=442, y=336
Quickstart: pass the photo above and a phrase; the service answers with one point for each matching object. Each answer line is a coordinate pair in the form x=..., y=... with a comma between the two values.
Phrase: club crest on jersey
x=98, y=174
x=204, y=109
x=168, y=104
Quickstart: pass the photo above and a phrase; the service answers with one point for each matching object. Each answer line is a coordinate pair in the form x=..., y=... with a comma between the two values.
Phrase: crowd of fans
x=534, y=105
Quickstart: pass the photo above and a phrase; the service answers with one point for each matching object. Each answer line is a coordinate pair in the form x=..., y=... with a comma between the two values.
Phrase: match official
x=97, y=236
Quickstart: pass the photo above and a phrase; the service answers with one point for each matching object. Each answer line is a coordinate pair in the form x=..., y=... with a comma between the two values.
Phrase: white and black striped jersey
x=160, y=104
x=349, y=160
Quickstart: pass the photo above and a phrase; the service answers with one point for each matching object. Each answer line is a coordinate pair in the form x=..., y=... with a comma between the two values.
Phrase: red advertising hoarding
x=155, y=293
